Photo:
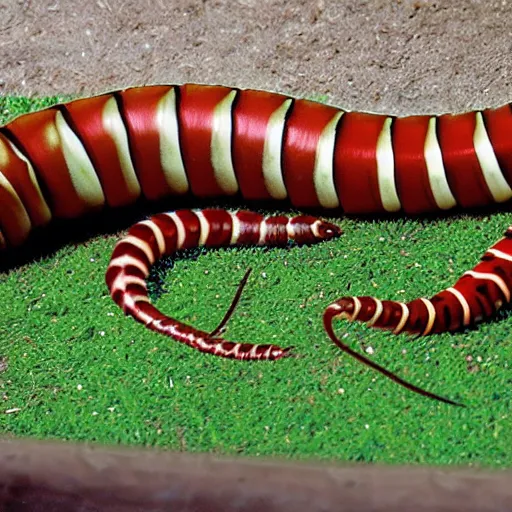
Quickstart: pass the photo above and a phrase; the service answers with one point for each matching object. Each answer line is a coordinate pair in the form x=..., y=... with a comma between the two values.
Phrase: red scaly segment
x=149, y=240
x=98, y=123
x=152, y=123
x=191, y=229
x=250, y=124
x=476, y=296
x=355, y=162
x=37, y=136
x=498, y=123
x=467, y=182
x=18, y=171
x=15, y=224
x=196, y=115
x=218, y=225
x=249, y=230
x=22, y=204
x=304, y=128
x=413, y=184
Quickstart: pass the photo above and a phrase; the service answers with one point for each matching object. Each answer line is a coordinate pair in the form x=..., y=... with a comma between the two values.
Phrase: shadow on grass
x=44, y=242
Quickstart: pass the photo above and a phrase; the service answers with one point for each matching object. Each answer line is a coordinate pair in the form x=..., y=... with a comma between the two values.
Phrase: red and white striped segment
x=166, y=233
x=23, y=205
x=476, y=296
x=338, y=310
x=165, y=140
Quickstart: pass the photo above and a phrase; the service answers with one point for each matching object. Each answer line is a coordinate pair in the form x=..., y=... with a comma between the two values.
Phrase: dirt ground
x=394, y=56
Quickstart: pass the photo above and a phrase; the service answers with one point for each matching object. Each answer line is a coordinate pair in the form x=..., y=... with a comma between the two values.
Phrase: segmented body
x=476, y=296
x=209, y=141
x=166, y=233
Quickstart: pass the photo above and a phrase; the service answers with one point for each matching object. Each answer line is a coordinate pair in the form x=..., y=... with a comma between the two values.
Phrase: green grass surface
x=78, y=369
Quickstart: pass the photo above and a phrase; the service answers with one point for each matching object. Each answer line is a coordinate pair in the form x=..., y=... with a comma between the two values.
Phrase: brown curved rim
x=51, y=476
